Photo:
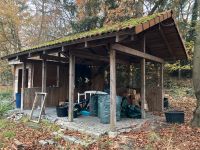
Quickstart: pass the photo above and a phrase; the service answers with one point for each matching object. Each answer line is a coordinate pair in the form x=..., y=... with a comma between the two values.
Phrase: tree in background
x=196, y=78
x=87, y=15
x=38, y=21
x=192, y=32
x=183, y=67
x=49, y=20
x=13, y=16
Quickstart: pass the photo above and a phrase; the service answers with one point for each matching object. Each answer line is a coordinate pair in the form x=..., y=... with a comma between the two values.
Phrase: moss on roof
x=106, y=29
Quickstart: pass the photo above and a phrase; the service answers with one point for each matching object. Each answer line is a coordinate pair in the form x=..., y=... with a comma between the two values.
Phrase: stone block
x=112, y=134
x=43, y=142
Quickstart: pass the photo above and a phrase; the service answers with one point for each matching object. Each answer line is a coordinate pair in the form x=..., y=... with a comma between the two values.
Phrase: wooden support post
x=143, y=86
x=58, y=73
x=161, y=85
x=44, y=75
x=143, y=81
x=112, y=90
x=23, y=84
x=71, y=86
x=44, y=80
x=14, y=79
x=58, y=76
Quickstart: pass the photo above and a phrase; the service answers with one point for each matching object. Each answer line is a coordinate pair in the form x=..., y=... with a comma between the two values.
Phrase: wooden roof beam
x=97, y=57
x=54, y=58
x=137, y=53
x=49, y=62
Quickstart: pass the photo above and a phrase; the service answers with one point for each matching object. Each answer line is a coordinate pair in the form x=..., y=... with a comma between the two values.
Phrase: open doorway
x=20, y=80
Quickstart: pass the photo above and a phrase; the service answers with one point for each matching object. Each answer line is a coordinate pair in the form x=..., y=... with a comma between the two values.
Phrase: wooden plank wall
x=154, y=98
x=55, y=94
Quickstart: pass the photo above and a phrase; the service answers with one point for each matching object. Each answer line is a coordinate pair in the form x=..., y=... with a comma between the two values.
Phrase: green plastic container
x=104, y=108
x=94, y=104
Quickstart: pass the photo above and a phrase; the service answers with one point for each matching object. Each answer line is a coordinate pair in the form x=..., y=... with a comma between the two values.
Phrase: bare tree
x=139, y=8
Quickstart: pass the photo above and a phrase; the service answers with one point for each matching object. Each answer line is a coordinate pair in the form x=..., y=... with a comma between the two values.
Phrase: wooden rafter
x=49, y=62
x=166, y=41
x=120, y=38
x=64, y=54
x=54, y=58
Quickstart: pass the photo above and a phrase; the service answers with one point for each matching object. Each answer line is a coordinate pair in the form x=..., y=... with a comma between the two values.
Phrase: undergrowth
x=5, y=99
x=179, y=88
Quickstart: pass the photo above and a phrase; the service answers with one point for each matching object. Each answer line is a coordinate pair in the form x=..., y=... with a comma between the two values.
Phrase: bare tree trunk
x=157, y=4
x=196, y=78
x=41, y=32
x=192, y=32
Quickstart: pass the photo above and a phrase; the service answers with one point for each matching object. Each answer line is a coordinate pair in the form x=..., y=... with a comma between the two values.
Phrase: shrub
x=4, y=108
x=5, y=96
x=5, y=99
x=3, y=123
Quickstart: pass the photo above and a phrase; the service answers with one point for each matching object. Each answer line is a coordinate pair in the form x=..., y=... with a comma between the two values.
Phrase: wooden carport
x=152, y=38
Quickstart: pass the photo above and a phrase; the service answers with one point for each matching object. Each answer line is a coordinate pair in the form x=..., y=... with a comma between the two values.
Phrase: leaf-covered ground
x=26, y=132
x=160, y=135
x=156, y=135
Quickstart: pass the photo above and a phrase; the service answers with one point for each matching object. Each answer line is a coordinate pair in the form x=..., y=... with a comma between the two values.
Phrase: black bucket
x=175, y=116
x=62, y=111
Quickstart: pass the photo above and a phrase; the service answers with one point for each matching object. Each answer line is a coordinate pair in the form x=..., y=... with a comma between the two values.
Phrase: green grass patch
x=4, y=108
x=4, y=89
x=8, y=134
x=33, y=125
x=153, y=137
x=45, y=124
x=3, y=123
x=6, y=93
x=6, y=96
x=57, y=138
x=1, y=144
x=24, y=119
x=50, y=126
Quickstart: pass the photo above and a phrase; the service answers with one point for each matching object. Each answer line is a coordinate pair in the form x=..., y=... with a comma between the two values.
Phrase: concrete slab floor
x=89, y=124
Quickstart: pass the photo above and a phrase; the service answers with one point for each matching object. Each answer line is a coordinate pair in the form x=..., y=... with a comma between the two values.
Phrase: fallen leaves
x=186, y=104
x=168, y=136
x=171, y=137
x=25, y=134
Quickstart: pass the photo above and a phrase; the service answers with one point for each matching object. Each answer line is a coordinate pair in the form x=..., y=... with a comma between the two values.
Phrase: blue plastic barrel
x=18, y=100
